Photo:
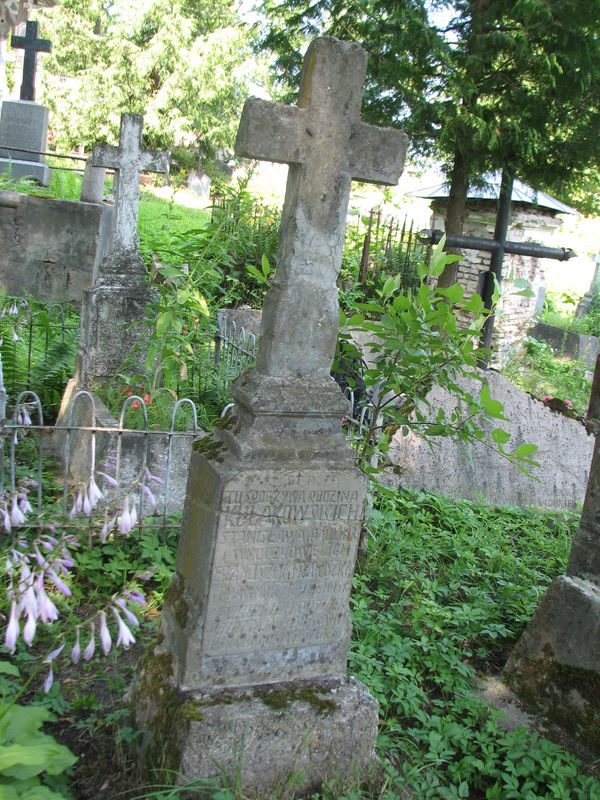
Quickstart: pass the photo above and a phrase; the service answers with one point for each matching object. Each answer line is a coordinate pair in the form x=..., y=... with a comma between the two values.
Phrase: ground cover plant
x=547, y=375
x=443, y=591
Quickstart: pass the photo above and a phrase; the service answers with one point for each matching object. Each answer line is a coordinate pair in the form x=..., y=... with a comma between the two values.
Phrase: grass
x=161, y=221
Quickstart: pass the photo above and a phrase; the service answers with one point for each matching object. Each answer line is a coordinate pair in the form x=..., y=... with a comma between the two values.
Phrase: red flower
x=147, y=399
x=136, y=404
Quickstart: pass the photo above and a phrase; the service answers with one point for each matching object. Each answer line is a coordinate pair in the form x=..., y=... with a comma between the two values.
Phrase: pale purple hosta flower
x=76, y=651
x=125, y=636
x=125, y=525
x=79, y=500
x=15, y=338
x=24, y=504
x=149, y=496
x=47, y=610
x=29, y=629
x=5, y=519
x=135, y=596
x=109, y=480
x=60, y=584
x=105, y=634
x=46, y=544
x=131, y=618
x=16, y=515
x=38, y=556
x=48, y=660
x=106, y=528
x=91, y=645
x=94, y=493
x=12, y=629
x=86, y=504
x=13, y=310
x=53, y=654
x=154, y=478
x=25, y=416
x=133, y=515
x=49, y=680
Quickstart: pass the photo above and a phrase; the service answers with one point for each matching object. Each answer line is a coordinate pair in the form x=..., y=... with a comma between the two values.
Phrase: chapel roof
x=488, y=188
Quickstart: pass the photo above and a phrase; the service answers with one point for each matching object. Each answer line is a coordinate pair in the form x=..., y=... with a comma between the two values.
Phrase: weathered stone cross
x=326, y=146
x=129, y=161
x=32, y=46
x=256, y=624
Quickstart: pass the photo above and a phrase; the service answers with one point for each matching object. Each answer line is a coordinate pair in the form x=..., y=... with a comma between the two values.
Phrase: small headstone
x=555, y=666
x=115, y=304
x=23, y=140
x=251, y=674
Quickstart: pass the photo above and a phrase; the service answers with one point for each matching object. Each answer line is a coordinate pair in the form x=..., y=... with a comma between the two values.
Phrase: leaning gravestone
x=24, y=123
x=555, y=667
x=251, y=673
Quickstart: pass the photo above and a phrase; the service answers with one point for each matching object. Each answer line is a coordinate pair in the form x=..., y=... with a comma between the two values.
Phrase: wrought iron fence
x=391, y=246
x=108, y=472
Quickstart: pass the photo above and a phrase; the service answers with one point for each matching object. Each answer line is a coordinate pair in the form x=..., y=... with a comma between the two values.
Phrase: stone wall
x=50, y=248
x=515, y=313
x=475, y=471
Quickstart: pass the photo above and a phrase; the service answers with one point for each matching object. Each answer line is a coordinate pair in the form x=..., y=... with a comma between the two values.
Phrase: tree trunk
x=455, y=214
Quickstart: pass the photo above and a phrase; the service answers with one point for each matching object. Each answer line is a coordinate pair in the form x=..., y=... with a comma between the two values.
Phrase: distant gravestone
x=31, y=44
x=24, y=123
x=256, y=626
x=117, y=300
x=555, y=666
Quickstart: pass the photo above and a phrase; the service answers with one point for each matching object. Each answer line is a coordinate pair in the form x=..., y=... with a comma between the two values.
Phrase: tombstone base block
x=26, y=169
x=285, y=737
x=555, y=667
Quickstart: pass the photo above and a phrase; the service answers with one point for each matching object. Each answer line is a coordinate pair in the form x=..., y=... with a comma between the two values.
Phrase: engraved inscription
x=282, y=569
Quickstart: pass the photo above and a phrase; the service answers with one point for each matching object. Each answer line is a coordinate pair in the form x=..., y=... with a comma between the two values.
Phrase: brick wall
x=515, y=314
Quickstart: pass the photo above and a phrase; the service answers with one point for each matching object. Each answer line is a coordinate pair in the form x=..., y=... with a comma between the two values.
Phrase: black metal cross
x=498, y=246
x=32, y=46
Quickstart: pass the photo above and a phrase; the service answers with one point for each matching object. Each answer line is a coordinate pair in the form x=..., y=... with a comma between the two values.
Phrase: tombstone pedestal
x=287, y=738
x=256, y=624
x=112, y=310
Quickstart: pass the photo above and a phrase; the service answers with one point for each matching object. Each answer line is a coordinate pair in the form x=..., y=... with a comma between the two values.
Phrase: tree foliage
x=185, y=65
x=480, y=84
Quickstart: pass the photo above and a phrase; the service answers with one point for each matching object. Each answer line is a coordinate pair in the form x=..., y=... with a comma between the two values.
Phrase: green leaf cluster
x=415, y=342
x=27, y=754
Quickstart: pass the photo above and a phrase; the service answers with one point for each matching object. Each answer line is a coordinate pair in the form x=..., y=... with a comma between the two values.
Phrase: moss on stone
x=175, y=597
x=229, y=422
x=210, y=448
x=561, y=694
x=280, y=697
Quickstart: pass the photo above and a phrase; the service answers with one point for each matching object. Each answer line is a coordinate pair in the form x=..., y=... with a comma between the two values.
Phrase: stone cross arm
x=275, y=132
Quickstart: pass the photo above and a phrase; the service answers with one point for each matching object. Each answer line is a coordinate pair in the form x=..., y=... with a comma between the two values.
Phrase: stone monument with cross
x=119, y=294
x=555, y=666
x=24, y=123
x=251, y=670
